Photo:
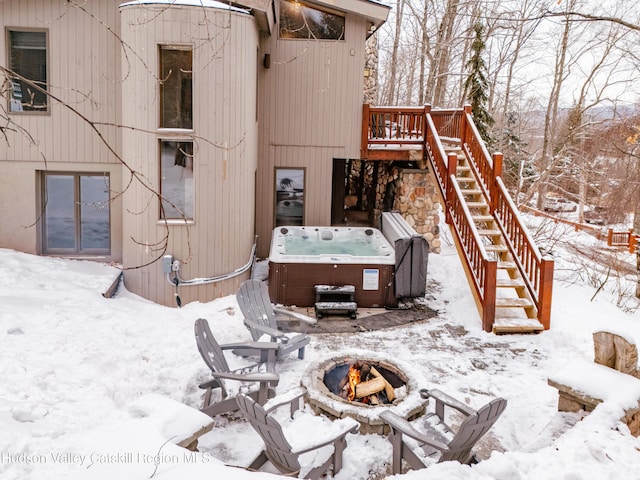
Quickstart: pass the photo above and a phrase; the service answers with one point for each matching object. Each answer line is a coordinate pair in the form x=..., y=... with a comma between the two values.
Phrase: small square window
x=28, y=59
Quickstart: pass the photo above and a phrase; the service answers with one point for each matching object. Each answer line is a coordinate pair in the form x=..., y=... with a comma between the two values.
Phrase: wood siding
x=83, y=63
x=220, y=237
x=310, y=110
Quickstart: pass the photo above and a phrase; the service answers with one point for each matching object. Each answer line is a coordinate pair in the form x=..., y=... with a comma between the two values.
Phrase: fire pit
x=361, y=386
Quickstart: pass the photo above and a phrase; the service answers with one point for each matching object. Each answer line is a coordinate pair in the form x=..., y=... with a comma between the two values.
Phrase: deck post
x=364, y=140
x=452, y=167
x=466, y=110
x=544, y=295
x=489, y=295
x=495, y=173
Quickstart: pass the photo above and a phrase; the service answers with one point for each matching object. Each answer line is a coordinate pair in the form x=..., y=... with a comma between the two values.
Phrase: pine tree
x=476, y=86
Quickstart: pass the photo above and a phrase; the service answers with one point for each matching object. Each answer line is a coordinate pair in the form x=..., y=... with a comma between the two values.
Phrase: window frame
x=180, y=219
x=281, y=173
x=177, y=47
x=78, y=250
x=9, y=47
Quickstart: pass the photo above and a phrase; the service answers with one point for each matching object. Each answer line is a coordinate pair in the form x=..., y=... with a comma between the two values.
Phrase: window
x=298, y=20
x=289, y=207
x=175, y=88
x=28, y=58
x=176, y=179
x=76, y=213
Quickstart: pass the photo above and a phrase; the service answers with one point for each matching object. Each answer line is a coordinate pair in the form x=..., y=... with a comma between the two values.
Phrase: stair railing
x=536, y=270
x=485, y=168
x=402, y=126
x=481, y=270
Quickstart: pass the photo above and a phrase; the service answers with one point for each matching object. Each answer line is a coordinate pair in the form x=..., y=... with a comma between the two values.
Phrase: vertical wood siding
x=310, y=106
x=84, y=72
x=219, y=239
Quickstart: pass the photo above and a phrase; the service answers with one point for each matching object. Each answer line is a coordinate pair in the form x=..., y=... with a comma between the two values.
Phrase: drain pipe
x=171, y=267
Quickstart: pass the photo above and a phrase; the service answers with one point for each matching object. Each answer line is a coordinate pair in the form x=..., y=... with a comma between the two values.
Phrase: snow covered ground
x=77, y=370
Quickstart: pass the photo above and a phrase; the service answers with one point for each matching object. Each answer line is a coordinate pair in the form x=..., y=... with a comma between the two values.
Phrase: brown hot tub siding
x=293, y=283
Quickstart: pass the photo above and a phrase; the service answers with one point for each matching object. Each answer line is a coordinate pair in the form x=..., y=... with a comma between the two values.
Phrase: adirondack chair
x=260, y=318
x=328, y=445
x=430, y=440
x=213, y=355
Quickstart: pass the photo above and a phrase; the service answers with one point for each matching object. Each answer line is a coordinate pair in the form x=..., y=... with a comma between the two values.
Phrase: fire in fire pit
x=360, y=386
x=364, y=383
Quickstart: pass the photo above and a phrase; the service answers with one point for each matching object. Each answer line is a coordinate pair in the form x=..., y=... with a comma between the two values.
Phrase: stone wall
x=418, y=202
x=412, y=192
x=371, y=70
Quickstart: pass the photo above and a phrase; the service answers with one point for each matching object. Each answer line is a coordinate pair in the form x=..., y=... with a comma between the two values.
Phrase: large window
x=298, y=20
x=76, y=213
x=175, y=87
x=28, y=59
x=176, y=179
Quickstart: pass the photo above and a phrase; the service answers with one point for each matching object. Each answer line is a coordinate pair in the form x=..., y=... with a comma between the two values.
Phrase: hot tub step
x=336, y=308
x=335, y=300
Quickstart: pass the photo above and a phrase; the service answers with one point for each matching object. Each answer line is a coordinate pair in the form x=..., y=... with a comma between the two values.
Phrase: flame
x=354, y=379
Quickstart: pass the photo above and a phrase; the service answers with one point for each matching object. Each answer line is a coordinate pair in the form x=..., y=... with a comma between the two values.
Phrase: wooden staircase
x=510, y=280
x=514, y=309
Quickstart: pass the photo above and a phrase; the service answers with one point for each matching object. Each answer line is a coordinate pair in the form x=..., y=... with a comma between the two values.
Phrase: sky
x=99, y=388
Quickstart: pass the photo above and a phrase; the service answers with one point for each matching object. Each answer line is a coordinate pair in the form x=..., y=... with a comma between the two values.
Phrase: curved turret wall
x=217, y=237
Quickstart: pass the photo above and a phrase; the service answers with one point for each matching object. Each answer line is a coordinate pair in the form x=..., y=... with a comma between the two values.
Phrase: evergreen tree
x=476, y=86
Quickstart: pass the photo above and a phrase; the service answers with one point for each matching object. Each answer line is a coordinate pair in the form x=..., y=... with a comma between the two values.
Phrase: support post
x=489, y=295
x=545, y=292
x=495, y=173
x=364, y=140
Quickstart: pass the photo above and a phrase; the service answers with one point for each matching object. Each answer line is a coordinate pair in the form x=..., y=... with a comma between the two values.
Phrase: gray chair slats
x=436, y=437
x=260, y=317
x=213, y=355
x=278, y=450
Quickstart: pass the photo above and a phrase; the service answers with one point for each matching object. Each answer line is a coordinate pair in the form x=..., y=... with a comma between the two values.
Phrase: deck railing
x=623, y=239
x=386, y=126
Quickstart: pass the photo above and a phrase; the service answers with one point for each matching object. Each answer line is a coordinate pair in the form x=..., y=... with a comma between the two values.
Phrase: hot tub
x=302, y=257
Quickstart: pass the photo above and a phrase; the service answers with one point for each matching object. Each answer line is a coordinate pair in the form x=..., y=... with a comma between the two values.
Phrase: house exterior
x=169, y=136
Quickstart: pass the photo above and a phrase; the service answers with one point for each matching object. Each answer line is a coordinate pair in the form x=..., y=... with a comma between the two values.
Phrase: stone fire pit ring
x=409, y=404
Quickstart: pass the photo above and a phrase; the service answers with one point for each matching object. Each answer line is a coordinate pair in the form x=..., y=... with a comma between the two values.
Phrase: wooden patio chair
x=213, y=355
x=430, y=440
x=324, y=445
x=260, y=317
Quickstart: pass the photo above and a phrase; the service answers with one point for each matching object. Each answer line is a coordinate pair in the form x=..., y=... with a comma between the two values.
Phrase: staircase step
x=507, y=265
x=466, y=179
x=513, y=303
x=530, y=325
x=471, y=191
x=477, y=205
x=496, y=248
x=510, y=283
x=489, y=232
x=482, y=218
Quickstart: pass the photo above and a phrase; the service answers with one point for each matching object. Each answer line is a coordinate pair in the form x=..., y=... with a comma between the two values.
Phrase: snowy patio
x=76, y=368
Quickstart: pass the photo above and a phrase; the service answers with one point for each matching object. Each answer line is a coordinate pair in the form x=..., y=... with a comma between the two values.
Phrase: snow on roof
x=192, y=3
